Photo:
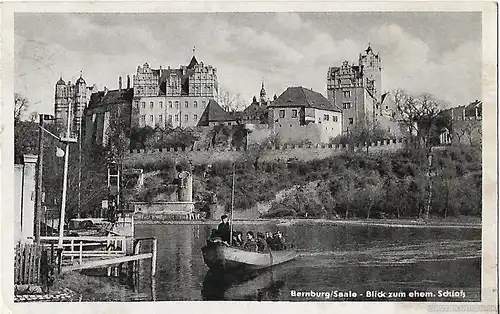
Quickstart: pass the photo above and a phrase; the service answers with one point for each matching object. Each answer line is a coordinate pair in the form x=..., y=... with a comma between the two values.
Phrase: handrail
x=85, y=238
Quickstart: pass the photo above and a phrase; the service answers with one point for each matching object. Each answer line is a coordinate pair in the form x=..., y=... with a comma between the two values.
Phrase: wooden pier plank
x=106, y=262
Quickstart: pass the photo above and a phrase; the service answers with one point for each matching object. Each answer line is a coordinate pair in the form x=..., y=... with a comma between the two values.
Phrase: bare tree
x=230, y=101
x=20, y=106
x=417, y=114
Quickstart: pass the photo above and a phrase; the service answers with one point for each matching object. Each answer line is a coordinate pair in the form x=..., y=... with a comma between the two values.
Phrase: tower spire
x=194, y=51
x=262, y=93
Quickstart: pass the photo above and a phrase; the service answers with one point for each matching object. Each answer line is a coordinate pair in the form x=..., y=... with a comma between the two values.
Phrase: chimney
x=160, y=70
x=119, y=83
x=105, y=90
x=128, y=81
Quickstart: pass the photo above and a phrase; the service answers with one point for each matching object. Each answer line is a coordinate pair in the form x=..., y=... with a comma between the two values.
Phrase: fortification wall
x=282, y=153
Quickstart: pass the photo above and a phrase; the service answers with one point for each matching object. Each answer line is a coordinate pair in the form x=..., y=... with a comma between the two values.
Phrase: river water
x=346, y=261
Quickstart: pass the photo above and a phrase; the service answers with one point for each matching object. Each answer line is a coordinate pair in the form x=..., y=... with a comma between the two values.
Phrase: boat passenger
x=279, y=241
x=261, y=243
x=238, y=238
x=269, y=239
x=250, y=244
x=224, y=229
x=214, y=237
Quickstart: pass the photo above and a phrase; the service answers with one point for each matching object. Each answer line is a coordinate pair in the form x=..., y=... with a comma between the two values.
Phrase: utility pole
x=66, y=140
x=39, y=173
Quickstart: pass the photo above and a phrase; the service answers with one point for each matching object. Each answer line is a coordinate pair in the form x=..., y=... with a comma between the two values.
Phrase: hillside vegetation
x=392, y=185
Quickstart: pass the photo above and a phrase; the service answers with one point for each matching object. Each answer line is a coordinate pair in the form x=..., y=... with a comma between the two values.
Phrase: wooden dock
x=97, y=252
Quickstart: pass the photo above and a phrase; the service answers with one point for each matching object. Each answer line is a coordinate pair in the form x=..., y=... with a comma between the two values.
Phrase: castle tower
x=61, y=101
x=263, y=98
x=371, y=67
x=80, y=103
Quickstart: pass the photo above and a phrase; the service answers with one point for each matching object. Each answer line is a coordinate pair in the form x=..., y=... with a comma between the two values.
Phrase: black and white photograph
x=194, y=152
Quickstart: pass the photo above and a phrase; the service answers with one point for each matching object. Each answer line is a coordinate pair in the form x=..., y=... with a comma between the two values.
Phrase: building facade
x=75, y=95
x=24, y=199
x=300, y=114
x=357, y=89
x=108, y=111
x=173, y=97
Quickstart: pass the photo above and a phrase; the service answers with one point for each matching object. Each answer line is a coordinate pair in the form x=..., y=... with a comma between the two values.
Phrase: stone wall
x=198, y=156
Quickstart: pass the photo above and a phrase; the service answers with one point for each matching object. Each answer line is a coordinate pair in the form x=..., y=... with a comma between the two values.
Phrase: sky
x=421, y=52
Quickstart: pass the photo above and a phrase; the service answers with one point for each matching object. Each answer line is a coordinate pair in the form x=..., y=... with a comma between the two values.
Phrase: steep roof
x=112, y=97
x=214, y=113
x=300, y=96
x=192, y=63
x=60, y=82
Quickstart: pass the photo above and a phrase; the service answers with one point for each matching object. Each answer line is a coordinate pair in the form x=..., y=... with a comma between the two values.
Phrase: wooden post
x=72, y=250
x=153, y=258
x=81, y=253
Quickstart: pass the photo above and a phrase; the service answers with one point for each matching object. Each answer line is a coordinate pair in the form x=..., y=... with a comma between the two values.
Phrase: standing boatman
x=224, y=229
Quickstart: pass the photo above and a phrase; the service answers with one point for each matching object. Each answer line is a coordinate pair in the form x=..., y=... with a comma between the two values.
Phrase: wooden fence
x=85, y=247
x=27, y=264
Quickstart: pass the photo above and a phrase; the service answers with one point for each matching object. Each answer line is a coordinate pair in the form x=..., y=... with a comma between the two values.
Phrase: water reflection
x=257, y=286
x=332, y=257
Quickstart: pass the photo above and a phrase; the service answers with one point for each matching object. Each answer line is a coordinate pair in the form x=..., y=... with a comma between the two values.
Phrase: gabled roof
x=214, y=113
x=192, y=63
x=112, y=97
x=303, y=97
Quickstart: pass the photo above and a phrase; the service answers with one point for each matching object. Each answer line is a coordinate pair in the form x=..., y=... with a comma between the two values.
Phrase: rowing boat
x=219, y=255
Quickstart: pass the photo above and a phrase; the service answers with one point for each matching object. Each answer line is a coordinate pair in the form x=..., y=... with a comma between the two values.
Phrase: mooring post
x=153, y=257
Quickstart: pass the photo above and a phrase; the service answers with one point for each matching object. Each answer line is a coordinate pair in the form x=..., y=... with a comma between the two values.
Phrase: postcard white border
x=490, y=151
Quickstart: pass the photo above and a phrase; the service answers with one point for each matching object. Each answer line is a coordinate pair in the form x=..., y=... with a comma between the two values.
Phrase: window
x=346, y=93
x=143, y=119
x=294, y=113
x=169, y=118
x=176, y=118
x=160, y=118
x=186, y=104
x=161, y=104
x=282, y=113
x=335, y=119
x=176, y=104
x=170, y=104
x=137, y=104
x=186, y=118
x=151, y=118
x=326, y=117
x=151, y=105
x=144, y=104
x=347, y=105
x=203, y=103
x=195, y=117
x=195, y=104
x=351, y=121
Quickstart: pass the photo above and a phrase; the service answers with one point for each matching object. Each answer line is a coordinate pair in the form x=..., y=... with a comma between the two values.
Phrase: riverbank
x=462, y=222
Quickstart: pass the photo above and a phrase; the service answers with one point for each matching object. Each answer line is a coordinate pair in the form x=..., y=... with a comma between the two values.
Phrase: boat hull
x=221, y=256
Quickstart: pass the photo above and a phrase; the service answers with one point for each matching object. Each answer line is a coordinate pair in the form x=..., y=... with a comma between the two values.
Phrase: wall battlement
x=283, y=153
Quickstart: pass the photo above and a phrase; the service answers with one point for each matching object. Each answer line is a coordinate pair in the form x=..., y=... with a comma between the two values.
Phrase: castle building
x=300, y=114
x=173, y=97
x=108, y=111
x=75, y=95
x=356, y=89
x=257, y=111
